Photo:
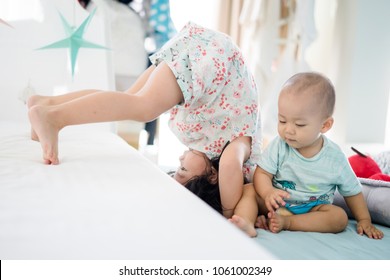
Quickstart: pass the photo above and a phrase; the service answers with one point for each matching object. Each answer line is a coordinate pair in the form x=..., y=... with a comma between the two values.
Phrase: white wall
x=202, y=12
x=353, y=49
x=47, y=71
x=361, y=71
x=370, y=73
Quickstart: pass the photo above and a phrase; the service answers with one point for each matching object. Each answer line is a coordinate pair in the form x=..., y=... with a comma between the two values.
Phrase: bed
x=347, y=245
x=106, y=201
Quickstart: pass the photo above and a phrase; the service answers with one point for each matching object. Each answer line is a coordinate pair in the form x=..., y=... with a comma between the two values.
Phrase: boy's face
x=300, y=120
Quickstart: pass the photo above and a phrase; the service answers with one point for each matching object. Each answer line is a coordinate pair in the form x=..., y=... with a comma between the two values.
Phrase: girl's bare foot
x=46, y=132
x=261, y=222
x=34, y=136
x=242, y=224
x=32, y=101
x=277, y=222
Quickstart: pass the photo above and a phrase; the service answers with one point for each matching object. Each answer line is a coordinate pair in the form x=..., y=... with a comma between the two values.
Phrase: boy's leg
x=245, y=213
x=159, y=93
x=322, y=218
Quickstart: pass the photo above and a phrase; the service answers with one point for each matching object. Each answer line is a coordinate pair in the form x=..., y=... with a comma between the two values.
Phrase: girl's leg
x=322, y=218
x=230, y=175
x=59, y=99
x=141, y=81
x=246, y=211
x=54, y=100
x=159, y=93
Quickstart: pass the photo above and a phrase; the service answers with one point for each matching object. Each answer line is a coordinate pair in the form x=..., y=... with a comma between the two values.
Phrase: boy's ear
x=328, y=123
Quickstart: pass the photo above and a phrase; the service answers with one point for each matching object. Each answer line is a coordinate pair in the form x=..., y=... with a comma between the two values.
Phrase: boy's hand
x=366, y=227
x=275, y=198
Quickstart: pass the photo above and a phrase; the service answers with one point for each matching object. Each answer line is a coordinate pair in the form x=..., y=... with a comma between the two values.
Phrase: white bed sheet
x=104, y=201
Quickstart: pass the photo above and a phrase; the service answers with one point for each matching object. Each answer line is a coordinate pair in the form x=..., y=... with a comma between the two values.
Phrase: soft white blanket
x=104, y=201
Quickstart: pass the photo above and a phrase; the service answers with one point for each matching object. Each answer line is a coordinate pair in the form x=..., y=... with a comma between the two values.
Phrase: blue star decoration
x=74, y=40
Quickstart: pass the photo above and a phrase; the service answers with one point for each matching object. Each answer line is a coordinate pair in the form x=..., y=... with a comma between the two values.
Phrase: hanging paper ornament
x=26, y=93
x=74, y=40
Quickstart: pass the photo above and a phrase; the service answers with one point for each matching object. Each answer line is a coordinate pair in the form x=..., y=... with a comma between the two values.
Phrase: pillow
x=377, y=196
x=383, y=161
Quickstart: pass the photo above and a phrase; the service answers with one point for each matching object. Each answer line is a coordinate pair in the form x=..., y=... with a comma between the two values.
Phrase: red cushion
x=364, y=167
x=380, y=176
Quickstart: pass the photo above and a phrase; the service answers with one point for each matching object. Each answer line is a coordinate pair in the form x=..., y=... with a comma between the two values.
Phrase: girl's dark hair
x=207, y=188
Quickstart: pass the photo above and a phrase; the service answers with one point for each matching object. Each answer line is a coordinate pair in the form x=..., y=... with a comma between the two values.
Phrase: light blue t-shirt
x=309, y=179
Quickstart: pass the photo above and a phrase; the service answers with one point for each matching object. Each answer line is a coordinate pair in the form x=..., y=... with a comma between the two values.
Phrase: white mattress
x=104, y=201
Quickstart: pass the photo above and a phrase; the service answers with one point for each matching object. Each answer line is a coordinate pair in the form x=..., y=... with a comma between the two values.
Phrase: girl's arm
x=231, y=179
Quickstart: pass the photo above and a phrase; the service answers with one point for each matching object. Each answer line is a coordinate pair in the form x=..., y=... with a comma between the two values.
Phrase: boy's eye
x=282, y=121
x=300, y=125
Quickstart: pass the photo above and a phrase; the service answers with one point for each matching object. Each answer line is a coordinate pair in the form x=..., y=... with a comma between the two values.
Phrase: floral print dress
x=220, y=95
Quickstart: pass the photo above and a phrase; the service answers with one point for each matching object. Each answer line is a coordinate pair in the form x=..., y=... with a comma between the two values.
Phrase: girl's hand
x=367, y=228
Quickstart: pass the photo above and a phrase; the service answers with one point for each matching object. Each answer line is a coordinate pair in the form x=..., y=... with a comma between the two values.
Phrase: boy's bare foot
x=282, y=211
x=277, y=222
x=262, y=222
x=242, y=224
x=46, y=132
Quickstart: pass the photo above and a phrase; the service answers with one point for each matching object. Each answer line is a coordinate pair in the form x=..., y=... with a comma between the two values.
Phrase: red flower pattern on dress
x=216, y=146
x=236, y=111
x=211, y=92
x=220, y=71
x=237, y=94
x=240, y=85
x=200, y=83
x=173, y=113
x=189, y=127
x=251, y=109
